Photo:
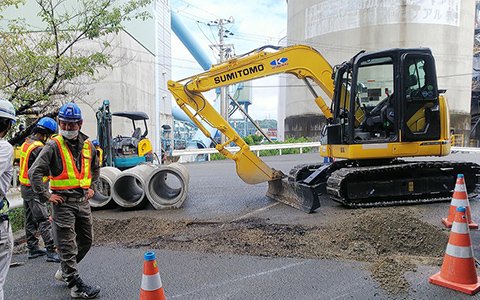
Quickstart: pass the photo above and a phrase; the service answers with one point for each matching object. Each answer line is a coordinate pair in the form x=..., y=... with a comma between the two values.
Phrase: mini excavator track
x=399, y=183
x=373, y=183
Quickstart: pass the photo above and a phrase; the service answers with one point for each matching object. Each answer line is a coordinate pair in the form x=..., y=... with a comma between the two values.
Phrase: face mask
x=69, y=135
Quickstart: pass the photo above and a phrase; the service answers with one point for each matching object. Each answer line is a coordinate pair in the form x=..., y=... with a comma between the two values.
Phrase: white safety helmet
x=7, y=110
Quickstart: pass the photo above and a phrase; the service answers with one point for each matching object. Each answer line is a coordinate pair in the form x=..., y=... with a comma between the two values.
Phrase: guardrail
x=255, y=148
x=258, y=148
x=464, y=150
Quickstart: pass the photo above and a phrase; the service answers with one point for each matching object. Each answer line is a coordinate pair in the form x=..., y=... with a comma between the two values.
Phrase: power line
x=189, y=4
x=262, y=38
x=198, y=25
x=199, y=68
x=190, y=16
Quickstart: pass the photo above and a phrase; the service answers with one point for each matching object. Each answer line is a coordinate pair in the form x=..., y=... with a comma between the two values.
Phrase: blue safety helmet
x=95, y=143
x=70, y=112
x=47, y=123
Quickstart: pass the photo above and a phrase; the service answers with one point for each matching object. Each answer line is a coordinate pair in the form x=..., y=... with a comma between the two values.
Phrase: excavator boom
x=256, y=64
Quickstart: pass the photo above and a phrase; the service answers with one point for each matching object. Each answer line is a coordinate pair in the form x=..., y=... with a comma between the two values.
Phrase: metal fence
x=255, y=148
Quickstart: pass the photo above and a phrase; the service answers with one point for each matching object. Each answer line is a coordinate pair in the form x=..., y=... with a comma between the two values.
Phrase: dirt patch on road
x=392, y=240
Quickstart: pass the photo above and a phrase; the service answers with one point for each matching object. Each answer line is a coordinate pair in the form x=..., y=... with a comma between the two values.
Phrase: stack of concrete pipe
x=164, y=186
x=107, y=176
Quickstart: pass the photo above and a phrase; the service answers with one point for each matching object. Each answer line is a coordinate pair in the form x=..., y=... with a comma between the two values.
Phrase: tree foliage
x=40, y=69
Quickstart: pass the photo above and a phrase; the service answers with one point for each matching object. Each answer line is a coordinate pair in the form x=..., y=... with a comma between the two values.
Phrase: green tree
x=42, y=69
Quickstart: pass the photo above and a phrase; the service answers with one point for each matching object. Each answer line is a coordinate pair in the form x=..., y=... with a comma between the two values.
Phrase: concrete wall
x=128, y=87
x=341, y=28
x=282, y=100
x=164, y=67
x=139, y=81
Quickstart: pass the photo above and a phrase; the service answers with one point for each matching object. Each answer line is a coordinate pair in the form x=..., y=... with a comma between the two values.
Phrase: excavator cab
x=387, y=97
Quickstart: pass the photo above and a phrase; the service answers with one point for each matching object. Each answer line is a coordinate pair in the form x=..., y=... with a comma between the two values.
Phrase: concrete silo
x=339, y=29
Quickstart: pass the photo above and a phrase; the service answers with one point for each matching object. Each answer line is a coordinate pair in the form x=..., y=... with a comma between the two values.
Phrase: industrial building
x=339, y=29
x=139, y=83
x=141, y=59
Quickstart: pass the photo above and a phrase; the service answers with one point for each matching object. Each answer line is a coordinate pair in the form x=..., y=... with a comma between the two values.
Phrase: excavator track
x=399, y=183
x=359, y=184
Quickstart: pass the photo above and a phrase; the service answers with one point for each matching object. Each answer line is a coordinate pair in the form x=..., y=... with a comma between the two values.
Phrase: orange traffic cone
x=152, y=288
x=458, y=269
x=459, y=198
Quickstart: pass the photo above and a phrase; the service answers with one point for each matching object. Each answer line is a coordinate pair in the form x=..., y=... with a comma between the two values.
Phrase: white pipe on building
x=157, y=88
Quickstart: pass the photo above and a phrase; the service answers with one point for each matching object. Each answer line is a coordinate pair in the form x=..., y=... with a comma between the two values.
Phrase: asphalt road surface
x=217, y=194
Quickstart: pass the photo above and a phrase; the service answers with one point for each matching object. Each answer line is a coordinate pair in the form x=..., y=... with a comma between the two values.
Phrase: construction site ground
x=229, y=241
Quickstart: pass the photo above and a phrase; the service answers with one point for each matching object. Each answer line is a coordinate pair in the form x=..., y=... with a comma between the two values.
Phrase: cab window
x=421, y=99
x=374, y=100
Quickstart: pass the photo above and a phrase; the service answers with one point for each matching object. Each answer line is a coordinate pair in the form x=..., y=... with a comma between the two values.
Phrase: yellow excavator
x=385, y=105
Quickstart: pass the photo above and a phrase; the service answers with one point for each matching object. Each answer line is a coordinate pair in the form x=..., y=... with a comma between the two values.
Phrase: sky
x=257, y=23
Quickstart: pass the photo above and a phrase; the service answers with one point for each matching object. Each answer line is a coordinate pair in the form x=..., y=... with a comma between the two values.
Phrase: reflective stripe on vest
x=4, y=205
x=70, y=177
x=100, y=156
x=27, y=149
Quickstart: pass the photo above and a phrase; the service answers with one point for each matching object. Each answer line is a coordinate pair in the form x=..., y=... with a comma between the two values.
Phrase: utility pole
x=225, y=51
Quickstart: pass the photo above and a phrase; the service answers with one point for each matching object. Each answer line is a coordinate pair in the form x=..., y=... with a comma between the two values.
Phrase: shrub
x=254, y=139
x=17, y=219
x=217, y=156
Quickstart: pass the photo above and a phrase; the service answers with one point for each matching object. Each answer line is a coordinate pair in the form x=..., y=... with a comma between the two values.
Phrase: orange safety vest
x=27, y=149
x=71, y=178
x=100, y=156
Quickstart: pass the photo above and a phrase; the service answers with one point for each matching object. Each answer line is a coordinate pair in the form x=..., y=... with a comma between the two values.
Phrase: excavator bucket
x=253, y=170
x=298, y=195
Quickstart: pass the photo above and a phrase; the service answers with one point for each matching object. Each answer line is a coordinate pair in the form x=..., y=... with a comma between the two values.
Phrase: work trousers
x=6, y=250
x=73, y=233
x=36, y=219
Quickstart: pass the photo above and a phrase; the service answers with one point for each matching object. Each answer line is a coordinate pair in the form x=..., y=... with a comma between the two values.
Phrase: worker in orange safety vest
x=99, y=151
x=73, y=165
x=37, y=218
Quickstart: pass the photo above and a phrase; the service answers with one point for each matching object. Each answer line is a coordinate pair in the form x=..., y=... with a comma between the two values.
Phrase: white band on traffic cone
x=460, y=228
x=459, y=252
x=460, y=188
x=151, y=282
x=459, y=202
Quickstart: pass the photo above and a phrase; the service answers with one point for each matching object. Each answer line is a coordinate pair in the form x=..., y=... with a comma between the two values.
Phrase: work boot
x=36, y=252
x=52, y=256
x=59, y=276
x=81, y=290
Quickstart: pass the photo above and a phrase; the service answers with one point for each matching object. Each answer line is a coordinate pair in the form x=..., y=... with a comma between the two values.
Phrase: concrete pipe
x=129, y=187
x=103, y=194
x=168, y=186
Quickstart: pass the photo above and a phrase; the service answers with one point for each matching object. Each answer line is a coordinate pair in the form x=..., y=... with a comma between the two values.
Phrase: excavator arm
x=295, y=60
